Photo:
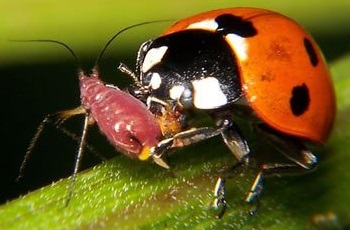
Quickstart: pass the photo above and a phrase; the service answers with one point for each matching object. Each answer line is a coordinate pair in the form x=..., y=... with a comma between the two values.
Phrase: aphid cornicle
x=126, y=121
x=248, y=63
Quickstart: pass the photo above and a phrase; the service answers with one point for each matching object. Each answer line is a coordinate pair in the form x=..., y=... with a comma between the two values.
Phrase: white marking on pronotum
x=206, y=24
x=153, y=57
x=156, y=81
x=176, y=91
x=208, y=94
x=239, y=44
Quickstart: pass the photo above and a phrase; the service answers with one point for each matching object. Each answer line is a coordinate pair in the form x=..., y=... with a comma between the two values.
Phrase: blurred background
x=40, y=78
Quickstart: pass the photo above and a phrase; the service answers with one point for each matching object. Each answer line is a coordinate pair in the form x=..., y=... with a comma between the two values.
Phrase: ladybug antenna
x=76, y=59
x=103, y=51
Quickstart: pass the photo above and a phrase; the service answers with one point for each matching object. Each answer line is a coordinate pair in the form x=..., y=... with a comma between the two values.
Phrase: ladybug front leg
x=137, y=75
x=183, y=139
x=141, y=56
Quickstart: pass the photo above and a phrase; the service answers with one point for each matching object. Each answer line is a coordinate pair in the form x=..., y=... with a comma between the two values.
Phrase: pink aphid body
x=123, y=119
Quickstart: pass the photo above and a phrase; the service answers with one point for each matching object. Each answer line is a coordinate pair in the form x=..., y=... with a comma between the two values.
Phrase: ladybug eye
x=152, y=80
x=146, y=78
x=182, y=94
x=186, y=98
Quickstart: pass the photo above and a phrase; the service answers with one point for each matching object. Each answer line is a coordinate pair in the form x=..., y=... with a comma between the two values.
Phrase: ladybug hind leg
x=300, y=160
x=292, y=148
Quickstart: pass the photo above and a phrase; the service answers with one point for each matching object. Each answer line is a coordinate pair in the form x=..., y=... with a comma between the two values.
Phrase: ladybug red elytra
x=241, y=62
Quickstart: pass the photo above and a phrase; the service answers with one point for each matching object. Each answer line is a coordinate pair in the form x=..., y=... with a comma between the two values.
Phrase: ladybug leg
x=239, y=147
x=141, y=55
x=293, y=149
x=235, y=142
x=190, y=137
x=301, y=160
x=184, y=138
x=125, y=69
x=220, y=197
x=136, y=76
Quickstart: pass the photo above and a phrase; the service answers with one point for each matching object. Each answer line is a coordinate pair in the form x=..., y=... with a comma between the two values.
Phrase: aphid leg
x=301, y=160
x=76, y=137
x=32, y=143
x=87, y=122
x=56, y=118
x=239, y=147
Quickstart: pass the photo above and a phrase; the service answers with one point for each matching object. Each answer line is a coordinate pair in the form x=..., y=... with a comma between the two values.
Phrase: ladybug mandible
x=241, y=62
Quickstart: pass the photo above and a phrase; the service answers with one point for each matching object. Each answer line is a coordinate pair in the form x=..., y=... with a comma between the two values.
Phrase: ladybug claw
x=220, y=200
x=220, y=204
x=256, y=189
x=159, y=161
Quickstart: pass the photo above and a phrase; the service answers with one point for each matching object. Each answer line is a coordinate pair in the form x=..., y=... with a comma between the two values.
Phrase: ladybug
x=245, y=63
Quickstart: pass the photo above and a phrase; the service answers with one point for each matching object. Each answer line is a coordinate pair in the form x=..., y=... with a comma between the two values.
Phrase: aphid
x=126, y=121
x=242, y=62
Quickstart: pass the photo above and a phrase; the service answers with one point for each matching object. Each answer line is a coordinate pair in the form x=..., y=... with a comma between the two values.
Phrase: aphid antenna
x=75, y=57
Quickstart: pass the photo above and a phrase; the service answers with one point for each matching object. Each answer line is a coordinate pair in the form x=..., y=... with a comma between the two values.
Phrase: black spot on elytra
x=310, y=50
x=228, y=24
x=300, y=100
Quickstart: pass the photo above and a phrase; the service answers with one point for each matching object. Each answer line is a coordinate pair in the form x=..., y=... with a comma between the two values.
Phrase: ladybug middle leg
x=239, y=147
